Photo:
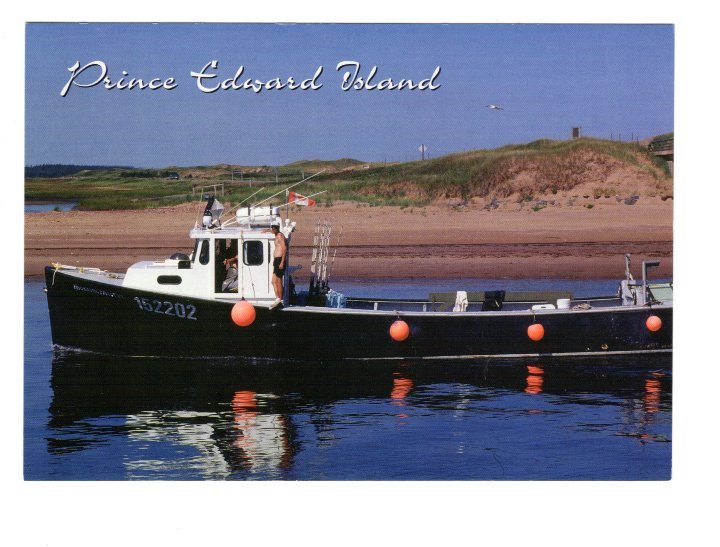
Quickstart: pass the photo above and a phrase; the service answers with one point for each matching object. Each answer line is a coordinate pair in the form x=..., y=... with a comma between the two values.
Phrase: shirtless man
x=278, y=263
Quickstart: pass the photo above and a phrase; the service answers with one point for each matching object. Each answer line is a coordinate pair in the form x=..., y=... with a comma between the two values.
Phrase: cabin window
x=205, y=251
x=253, y=253
x=169, y=279
x=194, y=254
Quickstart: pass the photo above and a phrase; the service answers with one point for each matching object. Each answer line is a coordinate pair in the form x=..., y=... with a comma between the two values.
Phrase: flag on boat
x=299, y=199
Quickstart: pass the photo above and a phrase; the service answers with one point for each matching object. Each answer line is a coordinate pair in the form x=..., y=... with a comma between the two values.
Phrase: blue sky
x=608, y=79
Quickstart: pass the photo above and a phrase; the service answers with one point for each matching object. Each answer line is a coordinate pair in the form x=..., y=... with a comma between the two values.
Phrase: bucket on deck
x=563, y=303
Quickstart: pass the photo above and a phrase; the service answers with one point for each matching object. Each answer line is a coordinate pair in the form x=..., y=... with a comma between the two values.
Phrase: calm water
x=100, y=418
x=33, y=207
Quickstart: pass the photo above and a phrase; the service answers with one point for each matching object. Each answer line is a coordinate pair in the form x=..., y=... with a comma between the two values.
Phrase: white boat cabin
x=203, y=274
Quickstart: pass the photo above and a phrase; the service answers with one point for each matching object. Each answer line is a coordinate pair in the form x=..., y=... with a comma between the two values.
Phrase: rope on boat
x=57, y=266
x=81, y=269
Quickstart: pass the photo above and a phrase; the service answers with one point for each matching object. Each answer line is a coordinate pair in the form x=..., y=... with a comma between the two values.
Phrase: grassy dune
x=541, y=167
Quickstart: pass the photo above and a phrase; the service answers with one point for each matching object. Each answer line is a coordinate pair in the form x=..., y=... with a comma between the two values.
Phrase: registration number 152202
x=173, y=309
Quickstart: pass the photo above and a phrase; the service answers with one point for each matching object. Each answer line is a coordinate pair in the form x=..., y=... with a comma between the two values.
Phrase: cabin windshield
x=253, y=253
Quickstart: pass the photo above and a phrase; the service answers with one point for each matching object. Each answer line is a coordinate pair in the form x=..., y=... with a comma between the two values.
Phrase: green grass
x=106, y=191
x=555, y=166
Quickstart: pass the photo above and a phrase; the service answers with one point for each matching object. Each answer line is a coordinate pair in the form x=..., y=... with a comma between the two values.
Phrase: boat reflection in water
x=262, y=439
x=400, y=390
x=256, y=442
x=534, y=379
x=197, y=419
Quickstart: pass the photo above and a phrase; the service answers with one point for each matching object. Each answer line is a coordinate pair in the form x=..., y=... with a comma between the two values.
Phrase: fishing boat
x=195, y=305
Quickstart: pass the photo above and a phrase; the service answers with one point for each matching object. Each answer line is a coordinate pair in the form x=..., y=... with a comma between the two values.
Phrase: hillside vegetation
x=517, y=173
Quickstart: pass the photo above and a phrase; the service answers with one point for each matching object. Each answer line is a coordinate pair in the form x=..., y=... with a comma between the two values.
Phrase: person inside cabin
x=230, y=283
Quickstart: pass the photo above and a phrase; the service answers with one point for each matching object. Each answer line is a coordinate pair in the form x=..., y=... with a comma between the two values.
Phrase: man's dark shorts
x=277, y=270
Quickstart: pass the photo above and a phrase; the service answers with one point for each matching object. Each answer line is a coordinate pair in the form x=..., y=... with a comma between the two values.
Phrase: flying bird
x=494, y=107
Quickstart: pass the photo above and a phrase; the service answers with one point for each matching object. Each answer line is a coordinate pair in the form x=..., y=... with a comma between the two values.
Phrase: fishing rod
x=243, y=201
x=238, y=205
x=332, y=264
x=251, y=195
x=314, y=257
x=319, y=270
x=324, y=254
x=228, y=222
x=261, y=189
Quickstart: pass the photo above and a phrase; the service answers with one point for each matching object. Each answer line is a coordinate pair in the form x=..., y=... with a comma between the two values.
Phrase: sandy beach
x=430, y=242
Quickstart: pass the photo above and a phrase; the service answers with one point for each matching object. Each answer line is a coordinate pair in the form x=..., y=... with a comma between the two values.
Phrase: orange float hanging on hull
x=399, y=330
x=243, y=313
x=536, y=332
x=653, y=323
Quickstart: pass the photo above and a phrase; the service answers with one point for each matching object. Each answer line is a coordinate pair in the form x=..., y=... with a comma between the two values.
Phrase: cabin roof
x=230, y=232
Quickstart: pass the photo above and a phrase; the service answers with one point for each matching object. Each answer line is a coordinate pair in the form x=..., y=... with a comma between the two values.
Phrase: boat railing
x=515, y=303
x=388, y=304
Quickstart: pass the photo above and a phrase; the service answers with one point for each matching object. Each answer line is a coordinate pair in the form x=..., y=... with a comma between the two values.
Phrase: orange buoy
x=399, y=330
x=536, y=332
x=243, y=313
x=653, y=323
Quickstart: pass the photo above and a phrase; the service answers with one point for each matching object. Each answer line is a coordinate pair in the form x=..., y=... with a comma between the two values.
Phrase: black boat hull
x=108, y=318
